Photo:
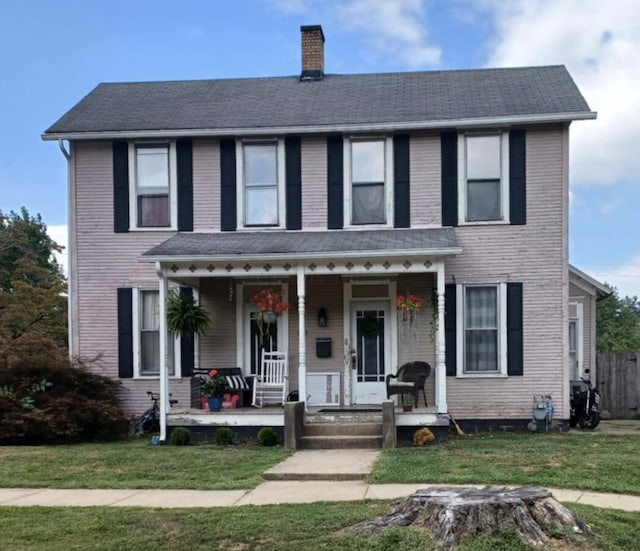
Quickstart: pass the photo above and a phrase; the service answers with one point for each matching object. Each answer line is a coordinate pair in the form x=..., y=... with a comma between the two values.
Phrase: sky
x=54, y=53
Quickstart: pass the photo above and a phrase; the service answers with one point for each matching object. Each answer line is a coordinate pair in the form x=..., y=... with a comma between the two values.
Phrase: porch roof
x=304, y=244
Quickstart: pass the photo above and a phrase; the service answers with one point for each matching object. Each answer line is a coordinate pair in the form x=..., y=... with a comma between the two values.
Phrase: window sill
x=482, y=376
x=485, y=223
x=156, y=377
x=154, y=229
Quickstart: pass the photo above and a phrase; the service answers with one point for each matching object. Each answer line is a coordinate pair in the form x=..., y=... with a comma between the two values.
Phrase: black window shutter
x=449, y=177
x=335, y=193
x=187, y=347
x=517, y=177
x=120, y=187
x=184, y=154
x=515, y=359
x=402, y=187
x=450, y=328
x=228, y=206
x=293, y=170
x=125, y=333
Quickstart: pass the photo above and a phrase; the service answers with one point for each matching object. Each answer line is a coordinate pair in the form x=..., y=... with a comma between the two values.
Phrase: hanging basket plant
x=408, y=306
x=370, y=326
x=271, y=306
x=185, y=316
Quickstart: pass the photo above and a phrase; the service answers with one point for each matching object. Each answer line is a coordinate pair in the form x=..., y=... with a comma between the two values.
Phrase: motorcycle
x=585, y=403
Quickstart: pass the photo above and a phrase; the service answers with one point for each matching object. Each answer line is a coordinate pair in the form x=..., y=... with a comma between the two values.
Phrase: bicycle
x=150, y=420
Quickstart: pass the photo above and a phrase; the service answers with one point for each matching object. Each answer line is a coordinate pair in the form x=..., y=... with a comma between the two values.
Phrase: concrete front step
x=343, y=429
x=341, y=442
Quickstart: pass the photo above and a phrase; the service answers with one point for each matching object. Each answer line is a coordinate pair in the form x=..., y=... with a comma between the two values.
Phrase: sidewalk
x=304, y=477
x=268, y=493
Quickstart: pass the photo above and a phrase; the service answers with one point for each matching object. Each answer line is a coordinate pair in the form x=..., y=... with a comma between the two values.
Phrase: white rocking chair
x=270, y=384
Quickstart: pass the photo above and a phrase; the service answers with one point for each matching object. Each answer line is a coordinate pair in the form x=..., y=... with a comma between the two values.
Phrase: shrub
x=224, y=436
x=267, y=437
x=57, y=400
x=180, y=437
x=423, y=436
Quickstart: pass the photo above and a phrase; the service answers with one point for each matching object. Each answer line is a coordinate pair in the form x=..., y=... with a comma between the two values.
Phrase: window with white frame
x=482, y=323
x=574, y=367
x=368, y=190
x=149, y=336
x=576, y=339
x=483, y=177
x=153, y=184
x=261, y=168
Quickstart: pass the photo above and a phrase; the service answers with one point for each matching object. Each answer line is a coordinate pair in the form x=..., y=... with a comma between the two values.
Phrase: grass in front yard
x=136, y=464
x=312, y=526
x=585, y=461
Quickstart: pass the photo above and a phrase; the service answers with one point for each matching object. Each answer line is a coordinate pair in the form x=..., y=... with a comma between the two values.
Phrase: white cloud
x=60, y=234
x=395, y=27
x=625, y=277
x=599, y=43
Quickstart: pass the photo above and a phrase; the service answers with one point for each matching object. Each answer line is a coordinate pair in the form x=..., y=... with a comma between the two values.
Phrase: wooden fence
x=618, y=378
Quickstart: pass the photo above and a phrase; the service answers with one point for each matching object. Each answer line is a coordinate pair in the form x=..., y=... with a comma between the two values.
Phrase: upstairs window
x=152, y=183
x=262, y=201
x=368, y=193
x=484, y=170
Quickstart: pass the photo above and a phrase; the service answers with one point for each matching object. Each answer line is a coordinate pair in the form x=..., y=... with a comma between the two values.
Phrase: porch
x=351, y=277
x=323, y=427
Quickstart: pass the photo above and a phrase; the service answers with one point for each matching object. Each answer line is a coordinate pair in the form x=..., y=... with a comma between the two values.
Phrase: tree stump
x=451, y=513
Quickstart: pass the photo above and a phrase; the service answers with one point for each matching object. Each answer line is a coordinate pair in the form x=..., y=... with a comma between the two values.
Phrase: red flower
x=409, y=302
x=270, y=301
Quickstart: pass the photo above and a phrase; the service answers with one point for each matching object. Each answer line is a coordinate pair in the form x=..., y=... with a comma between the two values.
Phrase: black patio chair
x=409, y=379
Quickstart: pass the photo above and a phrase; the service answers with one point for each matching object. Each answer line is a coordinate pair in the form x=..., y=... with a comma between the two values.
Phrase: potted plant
x=271, y=305
x=214, y=389
x=185, y=317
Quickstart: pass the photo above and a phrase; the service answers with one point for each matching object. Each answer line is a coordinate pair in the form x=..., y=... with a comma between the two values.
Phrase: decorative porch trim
x=288, y=267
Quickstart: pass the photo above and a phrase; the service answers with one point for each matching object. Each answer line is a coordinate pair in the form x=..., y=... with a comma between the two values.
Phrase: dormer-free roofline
x=461, y=124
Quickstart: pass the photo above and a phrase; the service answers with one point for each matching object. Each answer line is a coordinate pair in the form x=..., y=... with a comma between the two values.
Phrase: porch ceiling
x=281, y=252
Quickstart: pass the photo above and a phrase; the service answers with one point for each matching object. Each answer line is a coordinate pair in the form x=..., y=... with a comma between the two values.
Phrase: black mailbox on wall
x=323, y=348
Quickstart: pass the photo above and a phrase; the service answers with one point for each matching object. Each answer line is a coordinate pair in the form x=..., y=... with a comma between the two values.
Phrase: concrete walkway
x=268, y=493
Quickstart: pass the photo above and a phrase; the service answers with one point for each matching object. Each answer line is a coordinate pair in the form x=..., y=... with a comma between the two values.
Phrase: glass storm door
x=370, y=354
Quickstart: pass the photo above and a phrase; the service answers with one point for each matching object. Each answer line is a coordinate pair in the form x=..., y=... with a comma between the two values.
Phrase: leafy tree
x=33, y=304
x=618, y=324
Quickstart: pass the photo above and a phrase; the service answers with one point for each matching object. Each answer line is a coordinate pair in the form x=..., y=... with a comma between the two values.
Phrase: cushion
x=237, y=382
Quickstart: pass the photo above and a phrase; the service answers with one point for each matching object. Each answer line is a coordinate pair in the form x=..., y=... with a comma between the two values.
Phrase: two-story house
x=340, y=192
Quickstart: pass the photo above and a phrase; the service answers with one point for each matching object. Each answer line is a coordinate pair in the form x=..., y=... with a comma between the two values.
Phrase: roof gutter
x=301, y=256
x=320, y=129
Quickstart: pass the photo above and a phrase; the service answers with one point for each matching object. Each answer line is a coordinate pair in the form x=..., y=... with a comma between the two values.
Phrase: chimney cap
x=311, y=28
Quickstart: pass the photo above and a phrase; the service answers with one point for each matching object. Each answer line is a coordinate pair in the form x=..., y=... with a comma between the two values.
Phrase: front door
x=370, y=331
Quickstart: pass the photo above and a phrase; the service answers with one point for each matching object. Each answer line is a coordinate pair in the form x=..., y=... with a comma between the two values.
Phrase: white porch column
x=441, y=367
x=302, y=341
x=164, y=373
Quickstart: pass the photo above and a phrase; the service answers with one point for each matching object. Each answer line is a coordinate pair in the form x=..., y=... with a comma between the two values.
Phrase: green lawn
x=136, y=464
x=313, y=526
x=585, y=461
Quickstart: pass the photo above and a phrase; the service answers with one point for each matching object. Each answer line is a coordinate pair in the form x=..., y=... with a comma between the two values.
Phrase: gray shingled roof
x=304, y=244
x=337, y=100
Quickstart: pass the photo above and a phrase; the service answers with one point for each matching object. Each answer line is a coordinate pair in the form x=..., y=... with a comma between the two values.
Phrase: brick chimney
x=312, y=52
